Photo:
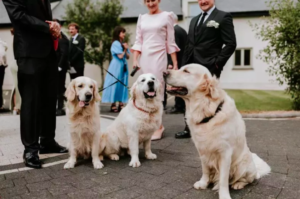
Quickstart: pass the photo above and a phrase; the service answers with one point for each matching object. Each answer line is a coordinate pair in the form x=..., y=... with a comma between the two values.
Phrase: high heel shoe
x=158, y=135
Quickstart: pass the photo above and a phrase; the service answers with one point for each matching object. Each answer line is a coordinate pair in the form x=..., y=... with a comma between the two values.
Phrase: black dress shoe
x=52, y=148
x=182, y=135
x=32, y=160
x=60, y=112
x=174, y=110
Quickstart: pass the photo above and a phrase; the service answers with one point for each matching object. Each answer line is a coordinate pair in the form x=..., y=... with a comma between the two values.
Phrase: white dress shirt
x=208, y=13
x=74, y=38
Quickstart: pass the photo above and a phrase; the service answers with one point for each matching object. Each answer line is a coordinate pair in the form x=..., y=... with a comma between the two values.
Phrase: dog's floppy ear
x=132, y=91
x=209, y=86
x=96, y=93
x=70, y=93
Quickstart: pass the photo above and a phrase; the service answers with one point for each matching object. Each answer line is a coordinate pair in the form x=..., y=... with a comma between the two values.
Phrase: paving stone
x=40, y=176
x=123, y=194
x=196, y=194
x=16, y=175
x=41, y=194
x=289, y=194
x=167, y=192
x=36, y=187
x=13, y=191
x=267, y=190
x=84, y=194
x=180, y=185
x=19, y=181
x=6, y=184
x=2, y=178
x=253, y=195
x=61, y=189
x=273, y=180
x=103, y=190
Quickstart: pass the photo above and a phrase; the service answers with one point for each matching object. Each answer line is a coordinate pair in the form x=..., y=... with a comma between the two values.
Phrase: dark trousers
x=37, y=82
x=61, y=89
x=79, y=73
x=2, y=73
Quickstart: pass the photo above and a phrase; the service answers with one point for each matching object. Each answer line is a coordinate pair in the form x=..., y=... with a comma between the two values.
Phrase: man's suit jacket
x=32, y=36
x=76, y=56
x=180, y=39
x=63, y=52
x=206, y=46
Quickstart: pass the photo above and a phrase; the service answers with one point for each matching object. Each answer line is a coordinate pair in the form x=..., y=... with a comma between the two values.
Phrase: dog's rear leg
x=204, y=181
x=225, y=163
x=148, y=153
x=95, y=152
x=72, y=160
x=134, y=151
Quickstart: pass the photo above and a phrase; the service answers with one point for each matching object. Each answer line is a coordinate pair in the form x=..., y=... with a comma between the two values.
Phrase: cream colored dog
x=217, y=130
x=84, y=121
x=136, y=122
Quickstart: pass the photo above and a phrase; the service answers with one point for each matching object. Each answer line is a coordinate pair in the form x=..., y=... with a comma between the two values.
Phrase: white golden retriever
x=217, y=129
x=84, y=121
x=136, y=122
x=3, y=49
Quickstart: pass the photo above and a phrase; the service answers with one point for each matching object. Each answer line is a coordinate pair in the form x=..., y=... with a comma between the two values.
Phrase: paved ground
x=171, y=175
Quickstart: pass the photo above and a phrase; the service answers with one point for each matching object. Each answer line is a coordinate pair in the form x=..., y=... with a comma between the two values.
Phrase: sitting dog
x=136, y=122
x=217, y=129
x=84, y=120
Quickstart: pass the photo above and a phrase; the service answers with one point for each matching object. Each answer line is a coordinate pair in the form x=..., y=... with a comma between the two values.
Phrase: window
x=243, y=59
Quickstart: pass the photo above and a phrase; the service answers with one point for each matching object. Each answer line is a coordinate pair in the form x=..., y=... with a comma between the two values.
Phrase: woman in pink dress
x=154, y=39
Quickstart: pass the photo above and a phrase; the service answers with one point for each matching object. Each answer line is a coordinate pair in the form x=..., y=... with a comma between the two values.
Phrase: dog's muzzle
x=86, y=102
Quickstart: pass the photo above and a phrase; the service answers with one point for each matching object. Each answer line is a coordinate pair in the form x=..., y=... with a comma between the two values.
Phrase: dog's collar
x=207, y=119
x=140, y=109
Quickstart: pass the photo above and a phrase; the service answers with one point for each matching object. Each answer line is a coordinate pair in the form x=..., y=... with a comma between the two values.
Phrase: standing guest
x=180, y=39
x=154, y=39
x=17, y=96
x=119, y=68
x=63, y=65
x=208, y=33
x=3, y=65
x=35, y=42
x=76, y=51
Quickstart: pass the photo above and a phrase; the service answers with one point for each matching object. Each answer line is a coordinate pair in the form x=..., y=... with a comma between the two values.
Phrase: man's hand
x=175, y=67
x=54, y=28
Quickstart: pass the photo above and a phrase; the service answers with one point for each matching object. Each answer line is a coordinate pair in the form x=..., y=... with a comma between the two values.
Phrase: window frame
x=242, y=66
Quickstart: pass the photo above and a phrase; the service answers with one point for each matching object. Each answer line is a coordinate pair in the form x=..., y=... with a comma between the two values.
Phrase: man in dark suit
x=76, y=51
x=180, y=39
x=208, y=33
x=35, y=42
x=63, y=66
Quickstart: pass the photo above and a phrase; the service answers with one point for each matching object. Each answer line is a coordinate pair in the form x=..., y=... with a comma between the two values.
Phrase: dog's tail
x=261, y=166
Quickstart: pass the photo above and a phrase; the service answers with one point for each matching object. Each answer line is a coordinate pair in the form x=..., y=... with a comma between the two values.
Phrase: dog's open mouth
x=174, y=90
x=150, y=94
x=83, y=103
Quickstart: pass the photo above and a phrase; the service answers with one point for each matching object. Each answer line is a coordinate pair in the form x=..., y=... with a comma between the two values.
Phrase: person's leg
x=60, y=94
x=185, y=133
x=48, y=115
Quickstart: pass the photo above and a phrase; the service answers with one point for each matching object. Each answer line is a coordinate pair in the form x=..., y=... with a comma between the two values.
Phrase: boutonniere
x=75, y=42
x=213, y=23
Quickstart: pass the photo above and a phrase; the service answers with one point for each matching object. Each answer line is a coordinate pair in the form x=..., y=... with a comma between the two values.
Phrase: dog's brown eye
x=91, y=86
x=143, y=80
x=80, y=86
x=186, y=71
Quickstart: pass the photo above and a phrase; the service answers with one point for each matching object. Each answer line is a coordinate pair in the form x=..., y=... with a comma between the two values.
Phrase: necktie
x=201, y=21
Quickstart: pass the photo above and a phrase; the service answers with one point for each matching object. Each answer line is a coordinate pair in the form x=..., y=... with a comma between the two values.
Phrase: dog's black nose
x=151, y=83
x=166, y=74
x=88, y=96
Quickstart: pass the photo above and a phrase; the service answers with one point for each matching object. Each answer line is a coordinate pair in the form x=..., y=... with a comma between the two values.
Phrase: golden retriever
x=136, y=122
x=84, y=121
x=3, y=49
x=217, y=129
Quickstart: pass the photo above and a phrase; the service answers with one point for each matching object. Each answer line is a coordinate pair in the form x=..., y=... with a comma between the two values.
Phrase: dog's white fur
x=133, y=126
x=221, y=143
x=84, y=122
x=3, y=49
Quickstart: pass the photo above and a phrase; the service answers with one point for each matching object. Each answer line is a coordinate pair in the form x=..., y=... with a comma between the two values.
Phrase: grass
x=256, y=100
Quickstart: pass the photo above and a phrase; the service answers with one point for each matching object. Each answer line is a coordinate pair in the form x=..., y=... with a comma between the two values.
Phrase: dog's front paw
x=97, y=164
x=151, y=156
x=135, y=163
x=114, y=157
x=200, y=185
x=238, y=185
x=69, y=165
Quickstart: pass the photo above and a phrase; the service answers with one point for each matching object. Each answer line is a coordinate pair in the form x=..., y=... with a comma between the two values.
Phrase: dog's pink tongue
x=151, y=93
x=81, y=104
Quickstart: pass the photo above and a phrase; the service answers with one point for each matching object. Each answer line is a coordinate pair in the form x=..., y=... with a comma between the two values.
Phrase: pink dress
x=154, y=39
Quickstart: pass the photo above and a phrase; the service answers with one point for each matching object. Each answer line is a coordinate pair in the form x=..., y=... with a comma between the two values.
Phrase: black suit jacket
x=76, y=52
x=206, y=47
x=180, y=39
x=32, y=36
x=63, y=52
